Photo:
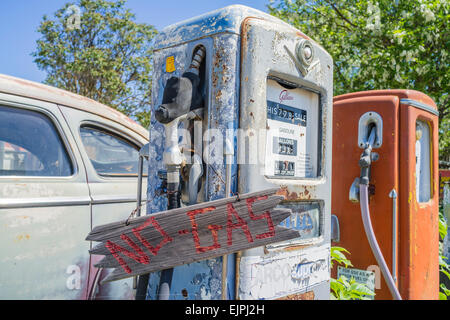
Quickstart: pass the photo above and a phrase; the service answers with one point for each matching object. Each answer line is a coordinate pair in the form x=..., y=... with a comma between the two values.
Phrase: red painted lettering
x=152, y=221
x=115, y=249
x=240, y=224
x=265, y=215
x=212, y=228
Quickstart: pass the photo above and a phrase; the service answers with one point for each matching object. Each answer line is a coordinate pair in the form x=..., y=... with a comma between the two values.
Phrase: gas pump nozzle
x=182, y=95
x=366, y=158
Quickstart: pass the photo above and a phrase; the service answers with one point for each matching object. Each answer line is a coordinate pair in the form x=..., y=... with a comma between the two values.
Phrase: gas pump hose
x=365, y=163
x=365, y=214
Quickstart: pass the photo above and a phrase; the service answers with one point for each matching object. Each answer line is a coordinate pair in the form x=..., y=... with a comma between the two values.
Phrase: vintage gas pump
x=264, y=121
x=385, y=182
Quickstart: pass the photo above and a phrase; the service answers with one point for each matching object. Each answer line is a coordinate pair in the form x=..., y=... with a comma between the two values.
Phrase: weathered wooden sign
x=185, y=235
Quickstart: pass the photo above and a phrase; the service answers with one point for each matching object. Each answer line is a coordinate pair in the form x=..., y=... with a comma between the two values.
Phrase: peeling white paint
x=280, y=274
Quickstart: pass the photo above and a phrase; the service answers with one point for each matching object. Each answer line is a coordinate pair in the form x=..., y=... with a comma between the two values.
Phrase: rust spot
x=283, y=191
x=302, y=35
x=295, y=248
x=306, y=194
x=371, y=189
x=299, y=296
x=22, y=237
x=292, y=196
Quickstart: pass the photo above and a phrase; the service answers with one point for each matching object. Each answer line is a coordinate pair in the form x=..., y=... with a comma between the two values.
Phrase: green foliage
x=338, y=256
x=442, y=226
x=342, y=288
x=444, y=268
x=106, y=56
x=381, y=44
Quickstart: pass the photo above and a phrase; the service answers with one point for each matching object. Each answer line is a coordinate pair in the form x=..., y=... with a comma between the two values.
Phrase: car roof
x=39, y=91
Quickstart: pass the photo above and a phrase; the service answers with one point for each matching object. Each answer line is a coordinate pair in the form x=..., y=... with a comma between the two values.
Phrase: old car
x=67, y=164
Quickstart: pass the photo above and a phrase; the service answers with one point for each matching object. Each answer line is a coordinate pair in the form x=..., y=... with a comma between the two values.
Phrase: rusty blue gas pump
x=242, y=102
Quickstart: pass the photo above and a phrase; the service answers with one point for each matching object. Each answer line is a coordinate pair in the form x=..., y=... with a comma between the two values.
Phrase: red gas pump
x=400, y=173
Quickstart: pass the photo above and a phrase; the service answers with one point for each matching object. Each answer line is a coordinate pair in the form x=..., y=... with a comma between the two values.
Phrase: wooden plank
x=185, y=235
x=218, y=203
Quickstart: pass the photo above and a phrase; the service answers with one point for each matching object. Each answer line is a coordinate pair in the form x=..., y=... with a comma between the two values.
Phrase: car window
x=110, y=154
x=30, y=145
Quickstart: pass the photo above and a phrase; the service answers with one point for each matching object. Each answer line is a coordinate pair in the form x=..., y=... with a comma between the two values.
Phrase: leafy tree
x=382, y=44
x=96, y=49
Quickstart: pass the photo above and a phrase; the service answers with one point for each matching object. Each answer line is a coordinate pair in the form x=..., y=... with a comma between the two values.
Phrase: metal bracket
x=335, y=230
x=304, y=69
x=365, y=124
x=393, y=195
x=353, y=195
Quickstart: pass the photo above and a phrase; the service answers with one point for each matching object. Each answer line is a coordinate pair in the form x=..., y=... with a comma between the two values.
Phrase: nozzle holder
x=366, y=122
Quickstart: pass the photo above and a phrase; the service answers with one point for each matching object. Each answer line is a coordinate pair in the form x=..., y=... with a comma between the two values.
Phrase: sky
x=19, y=20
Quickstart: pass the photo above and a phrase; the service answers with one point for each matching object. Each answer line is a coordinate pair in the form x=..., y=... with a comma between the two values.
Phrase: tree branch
x=340, y=14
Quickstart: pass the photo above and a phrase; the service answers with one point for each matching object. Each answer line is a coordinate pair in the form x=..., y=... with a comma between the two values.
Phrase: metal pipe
x=173, y=202
x=139, y=186
x=229, y=153
x=195, y=174
x=393, y=195
x=140, y=283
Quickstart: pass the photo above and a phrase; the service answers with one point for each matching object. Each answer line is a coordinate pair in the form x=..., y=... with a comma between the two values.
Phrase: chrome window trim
x=420, y=105
x=101, y=126
x=121, y=133
x=19, y=203
x=62, y=135
x=115, y=199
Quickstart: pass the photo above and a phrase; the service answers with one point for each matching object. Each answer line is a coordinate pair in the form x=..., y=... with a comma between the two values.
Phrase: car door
x=110, y=152
x=44, y=204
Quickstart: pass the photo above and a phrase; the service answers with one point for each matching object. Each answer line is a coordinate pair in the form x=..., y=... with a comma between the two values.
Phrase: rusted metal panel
x=400, y=93
x=280, y=274
x=418, y=221
x=384, y=176
x=221, y=21
x=265, y=55
x=417, y=224
x=221, y=98
x=194, y=278
x=299, y=296
x=227, y=110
